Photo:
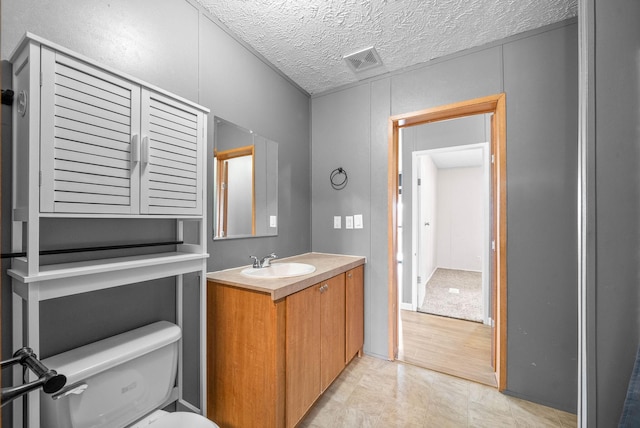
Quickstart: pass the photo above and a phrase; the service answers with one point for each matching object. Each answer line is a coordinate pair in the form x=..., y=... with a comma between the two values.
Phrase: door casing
x=495, y=104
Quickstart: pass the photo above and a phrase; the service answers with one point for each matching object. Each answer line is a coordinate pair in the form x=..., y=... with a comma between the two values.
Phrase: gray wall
x=614, y=142
x=238, y=87
x=538, y=72
x=180, y=48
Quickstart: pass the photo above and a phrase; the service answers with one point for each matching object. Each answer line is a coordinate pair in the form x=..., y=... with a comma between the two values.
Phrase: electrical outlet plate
x=273, y=221
x=357, y=221
x=337, y=222
x=349, y=221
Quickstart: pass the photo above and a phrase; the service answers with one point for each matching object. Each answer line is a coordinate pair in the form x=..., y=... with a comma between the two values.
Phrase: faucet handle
x=256, y=262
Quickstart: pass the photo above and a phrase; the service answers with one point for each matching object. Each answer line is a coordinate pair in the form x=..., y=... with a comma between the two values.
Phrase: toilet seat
x=162, y=419
x=183, y=420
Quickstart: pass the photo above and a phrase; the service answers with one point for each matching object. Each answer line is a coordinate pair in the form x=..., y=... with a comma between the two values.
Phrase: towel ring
x=338, y=182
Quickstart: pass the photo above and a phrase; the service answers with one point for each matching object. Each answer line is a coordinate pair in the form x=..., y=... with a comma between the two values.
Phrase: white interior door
x=425, y=225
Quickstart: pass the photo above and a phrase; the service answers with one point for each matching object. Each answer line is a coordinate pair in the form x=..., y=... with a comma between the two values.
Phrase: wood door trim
x=220, y=158
x=495, y=104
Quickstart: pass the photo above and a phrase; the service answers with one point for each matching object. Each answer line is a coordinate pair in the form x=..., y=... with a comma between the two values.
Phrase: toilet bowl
x=162, y=419
x=122, y=381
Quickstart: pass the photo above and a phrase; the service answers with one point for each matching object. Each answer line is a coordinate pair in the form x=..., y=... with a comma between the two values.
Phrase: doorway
x=445, y=321
x=450, y=225
x=234, y=193
x=494, y=105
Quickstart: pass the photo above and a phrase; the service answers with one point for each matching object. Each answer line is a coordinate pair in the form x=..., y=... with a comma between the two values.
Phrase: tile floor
x=372, y=392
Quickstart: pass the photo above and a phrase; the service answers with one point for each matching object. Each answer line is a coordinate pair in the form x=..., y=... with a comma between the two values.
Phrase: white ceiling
x=306, y=39
x=457, y=158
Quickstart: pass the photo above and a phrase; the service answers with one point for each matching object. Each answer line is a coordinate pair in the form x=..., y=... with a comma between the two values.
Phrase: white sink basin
x=279, y=270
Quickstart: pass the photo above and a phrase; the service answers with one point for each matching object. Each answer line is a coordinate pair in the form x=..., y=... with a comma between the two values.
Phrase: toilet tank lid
x=83, y=362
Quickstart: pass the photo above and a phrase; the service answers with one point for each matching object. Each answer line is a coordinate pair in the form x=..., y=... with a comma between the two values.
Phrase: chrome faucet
x=265, y=262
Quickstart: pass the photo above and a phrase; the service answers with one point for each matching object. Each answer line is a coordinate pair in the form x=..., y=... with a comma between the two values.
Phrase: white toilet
x=119, y=382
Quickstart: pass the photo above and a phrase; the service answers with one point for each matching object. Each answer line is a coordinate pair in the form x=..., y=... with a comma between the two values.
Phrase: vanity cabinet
x=269, y=359
x=101, y=143
x=315, y=343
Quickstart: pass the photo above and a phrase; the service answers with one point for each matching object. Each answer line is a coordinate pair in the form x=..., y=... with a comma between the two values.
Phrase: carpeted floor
x=454, y=293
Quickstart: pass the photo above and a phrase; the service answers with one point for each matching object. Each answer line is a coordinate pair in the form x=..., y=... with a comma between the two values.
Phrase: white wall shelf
x=91, y=142
x=81, y=277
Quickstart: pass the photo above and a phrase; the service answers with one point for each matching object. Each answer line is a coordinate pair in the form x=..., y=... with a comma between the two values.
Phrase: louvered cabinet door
x=90, y=126
x=172, y=159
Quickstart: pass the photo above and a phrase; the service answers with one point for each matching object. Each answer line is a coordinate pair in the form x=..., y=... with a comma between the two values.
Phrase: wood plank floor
x=455, y=347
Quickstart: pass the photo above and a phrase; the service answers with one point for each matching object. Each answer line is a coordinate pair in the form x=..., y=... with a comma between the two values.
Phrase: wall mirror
x=245, y=191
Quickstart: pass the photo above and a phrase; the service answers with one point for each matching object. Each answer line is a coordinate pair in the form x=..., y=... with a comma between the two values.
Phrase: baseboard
x=430, y=276
x=464, y=270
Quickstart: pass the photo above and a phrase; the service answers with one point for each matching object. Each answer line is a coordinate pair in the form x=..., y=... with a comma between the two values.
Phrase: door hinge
x=493, y=245
x=419, y=279
x=40, y=179
x=419, y=181
x=493, y=158
x=41, y=78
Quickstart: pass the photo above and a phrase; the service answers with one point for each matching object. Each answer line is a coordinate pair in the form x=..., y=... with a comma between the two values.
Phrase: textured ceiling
x=307, y=39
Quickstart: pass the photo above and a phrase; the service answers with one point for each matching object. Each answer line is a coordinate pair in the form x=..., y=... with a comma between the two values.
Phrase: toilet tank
x=115, y=381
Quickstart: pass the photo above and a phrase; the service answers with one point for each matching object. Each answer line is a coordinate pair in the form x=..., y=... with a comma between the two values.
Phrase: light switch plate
x=337, y=222
x=357, y=221
x=348, y=221
x=273, y=221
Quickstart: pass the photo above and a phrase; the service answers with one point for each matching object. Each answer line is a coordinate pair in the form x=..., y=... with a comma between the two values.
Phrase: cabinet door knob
x=144, y=151
x=135, y=148
x=349, y=275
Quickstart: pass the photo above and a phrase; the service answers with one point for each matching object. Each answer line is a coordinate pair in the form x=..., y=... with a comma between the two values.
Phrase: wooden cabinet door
x=354, y=321
x=302, y=352
x=332, y=325
x=245, y=361
x=89, y=128
x=172, y=156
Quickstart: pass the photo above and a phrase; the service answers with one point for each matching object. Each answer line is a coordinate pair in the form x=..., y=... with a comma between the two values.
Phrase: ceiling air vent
x=363, y=60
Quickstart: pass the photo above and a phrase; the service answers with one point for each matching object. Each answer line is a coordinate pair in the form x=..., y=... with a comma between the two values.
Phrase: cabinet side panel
x=25, y=126
x=241, y=330
x=332, y=327
x=354, y=310
x=280, y=358
x=302, y=353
